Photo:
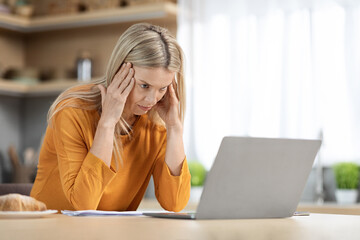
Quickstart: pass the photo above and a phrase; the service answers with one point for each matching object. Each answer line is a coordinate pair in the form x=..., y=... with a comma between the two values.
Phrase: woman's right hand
x=114, y=97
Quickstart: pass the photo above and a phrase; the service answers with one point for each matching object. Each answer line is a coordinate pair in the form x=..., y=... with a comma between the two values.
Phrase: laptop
x=254, y=178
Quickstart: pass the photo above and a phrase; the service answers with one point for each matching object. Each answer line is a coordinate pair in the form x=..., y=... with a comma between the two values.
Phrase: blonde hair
x=143, y=45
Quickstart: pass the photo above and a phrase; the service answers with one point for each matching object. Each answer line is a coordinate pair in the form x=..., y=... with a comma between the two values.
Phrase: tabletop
x=58, y=226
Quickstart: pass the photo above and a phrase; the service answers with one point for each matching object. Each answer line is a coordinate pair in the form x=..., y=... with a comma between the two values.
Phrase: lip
x=144, y=108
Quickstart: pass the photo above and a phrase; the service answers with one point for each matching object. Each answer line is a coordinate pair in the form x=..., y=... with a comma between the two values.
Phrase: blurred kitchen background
x=261, y=68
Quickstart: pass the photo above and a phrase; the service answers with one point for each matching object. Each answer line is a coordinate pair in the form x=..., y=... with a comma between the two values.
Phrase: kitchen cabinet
x=53, y=43
x=163, y=11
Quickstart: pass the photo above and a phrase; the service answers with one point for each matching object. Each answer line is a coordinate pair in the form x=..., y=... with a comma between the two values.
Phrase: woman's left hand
x=168, y=109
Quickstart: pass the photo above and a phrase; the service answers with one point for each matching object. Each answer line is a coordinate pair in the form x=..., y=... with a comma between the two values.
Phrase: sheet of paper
x=100, y=213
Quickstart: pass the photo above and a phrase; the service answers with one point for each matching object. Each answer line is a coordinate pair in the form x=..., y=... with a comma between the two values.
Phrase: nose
x=152, y=98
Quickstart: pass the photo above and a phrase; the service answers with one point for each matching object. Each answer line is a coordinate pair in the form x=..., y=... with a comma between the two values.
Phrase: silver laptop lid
x=257, y=178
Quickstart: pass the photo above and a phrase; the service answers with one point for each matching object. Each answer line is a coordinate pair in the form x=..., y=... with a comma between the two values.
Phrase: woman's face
x=150, y=86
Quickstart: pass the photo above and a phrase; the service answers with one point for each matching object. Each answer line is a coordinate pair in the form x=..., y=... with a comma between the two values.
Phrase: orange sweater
x=70, y=177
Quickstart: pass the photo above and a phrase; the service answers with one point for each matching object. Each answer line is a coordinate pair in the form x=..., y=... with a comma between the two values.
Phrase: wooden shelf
x=9, y=88
x=163, y=11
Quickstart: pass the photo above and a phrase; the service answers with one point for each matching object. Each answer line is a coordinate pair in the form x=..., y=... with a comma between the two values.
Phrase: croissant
x=18, y=202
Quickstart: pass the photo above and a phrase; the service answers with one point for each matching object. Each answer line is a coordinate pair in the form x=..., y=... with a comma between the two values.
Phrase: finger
x=121, y=75
x=172, y=93
x=122, y=67
x=172, y=88
x=159, y=107
x=128, y=88
x=103, y=93
x=125, y=70
x=126, y=81
x=113, y=84
x=163, y=97
x=120, y=70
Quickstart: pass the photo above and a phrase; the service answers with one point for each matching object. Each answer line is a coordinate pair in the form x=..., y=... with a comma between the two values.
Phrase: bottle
x=84, y=65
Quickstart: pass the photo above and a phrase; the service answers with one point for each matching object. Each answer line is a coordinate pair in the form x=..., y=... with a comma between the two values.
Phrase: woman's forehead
x=154, y=76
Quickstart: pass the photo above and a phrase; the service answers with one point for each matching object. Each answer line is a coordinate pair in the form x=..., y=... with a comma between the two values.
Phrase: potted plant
x=198, y=175
x=347, y=182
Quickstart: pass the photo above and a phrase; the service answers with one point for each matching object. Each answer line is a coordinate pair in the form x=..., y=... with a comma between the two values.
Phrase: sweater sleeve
x=172, y=192
x=83, y=175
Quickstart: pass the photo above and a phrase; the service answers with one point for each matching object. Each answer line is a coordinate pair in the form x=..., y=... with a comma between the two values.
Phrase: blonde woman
x=104, y=140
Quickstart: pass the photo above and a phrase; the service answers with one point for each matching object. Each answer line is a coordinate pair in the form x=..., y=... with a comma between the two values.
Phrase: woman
x=105, y=140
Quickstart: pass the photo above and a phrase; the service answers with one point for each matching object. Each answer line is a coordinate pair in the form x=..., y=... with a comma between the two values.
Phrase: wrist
x=176, y=128
x=106, y=124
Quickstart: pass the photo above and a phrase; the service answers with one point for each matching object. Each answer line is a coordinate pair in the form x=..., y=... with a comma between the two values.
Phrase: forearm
x=172, y=189
x=175, y=154
x=93, y=175
x=103, y=142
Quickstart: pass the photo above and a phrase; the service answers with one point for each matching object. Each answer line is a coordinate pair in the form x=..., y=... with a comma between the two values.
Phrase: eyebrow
x=150, y=84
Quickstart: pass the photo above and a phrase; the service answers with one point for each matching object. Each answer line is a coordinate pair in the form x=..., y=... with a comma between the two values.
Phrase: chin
x=139, y=112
